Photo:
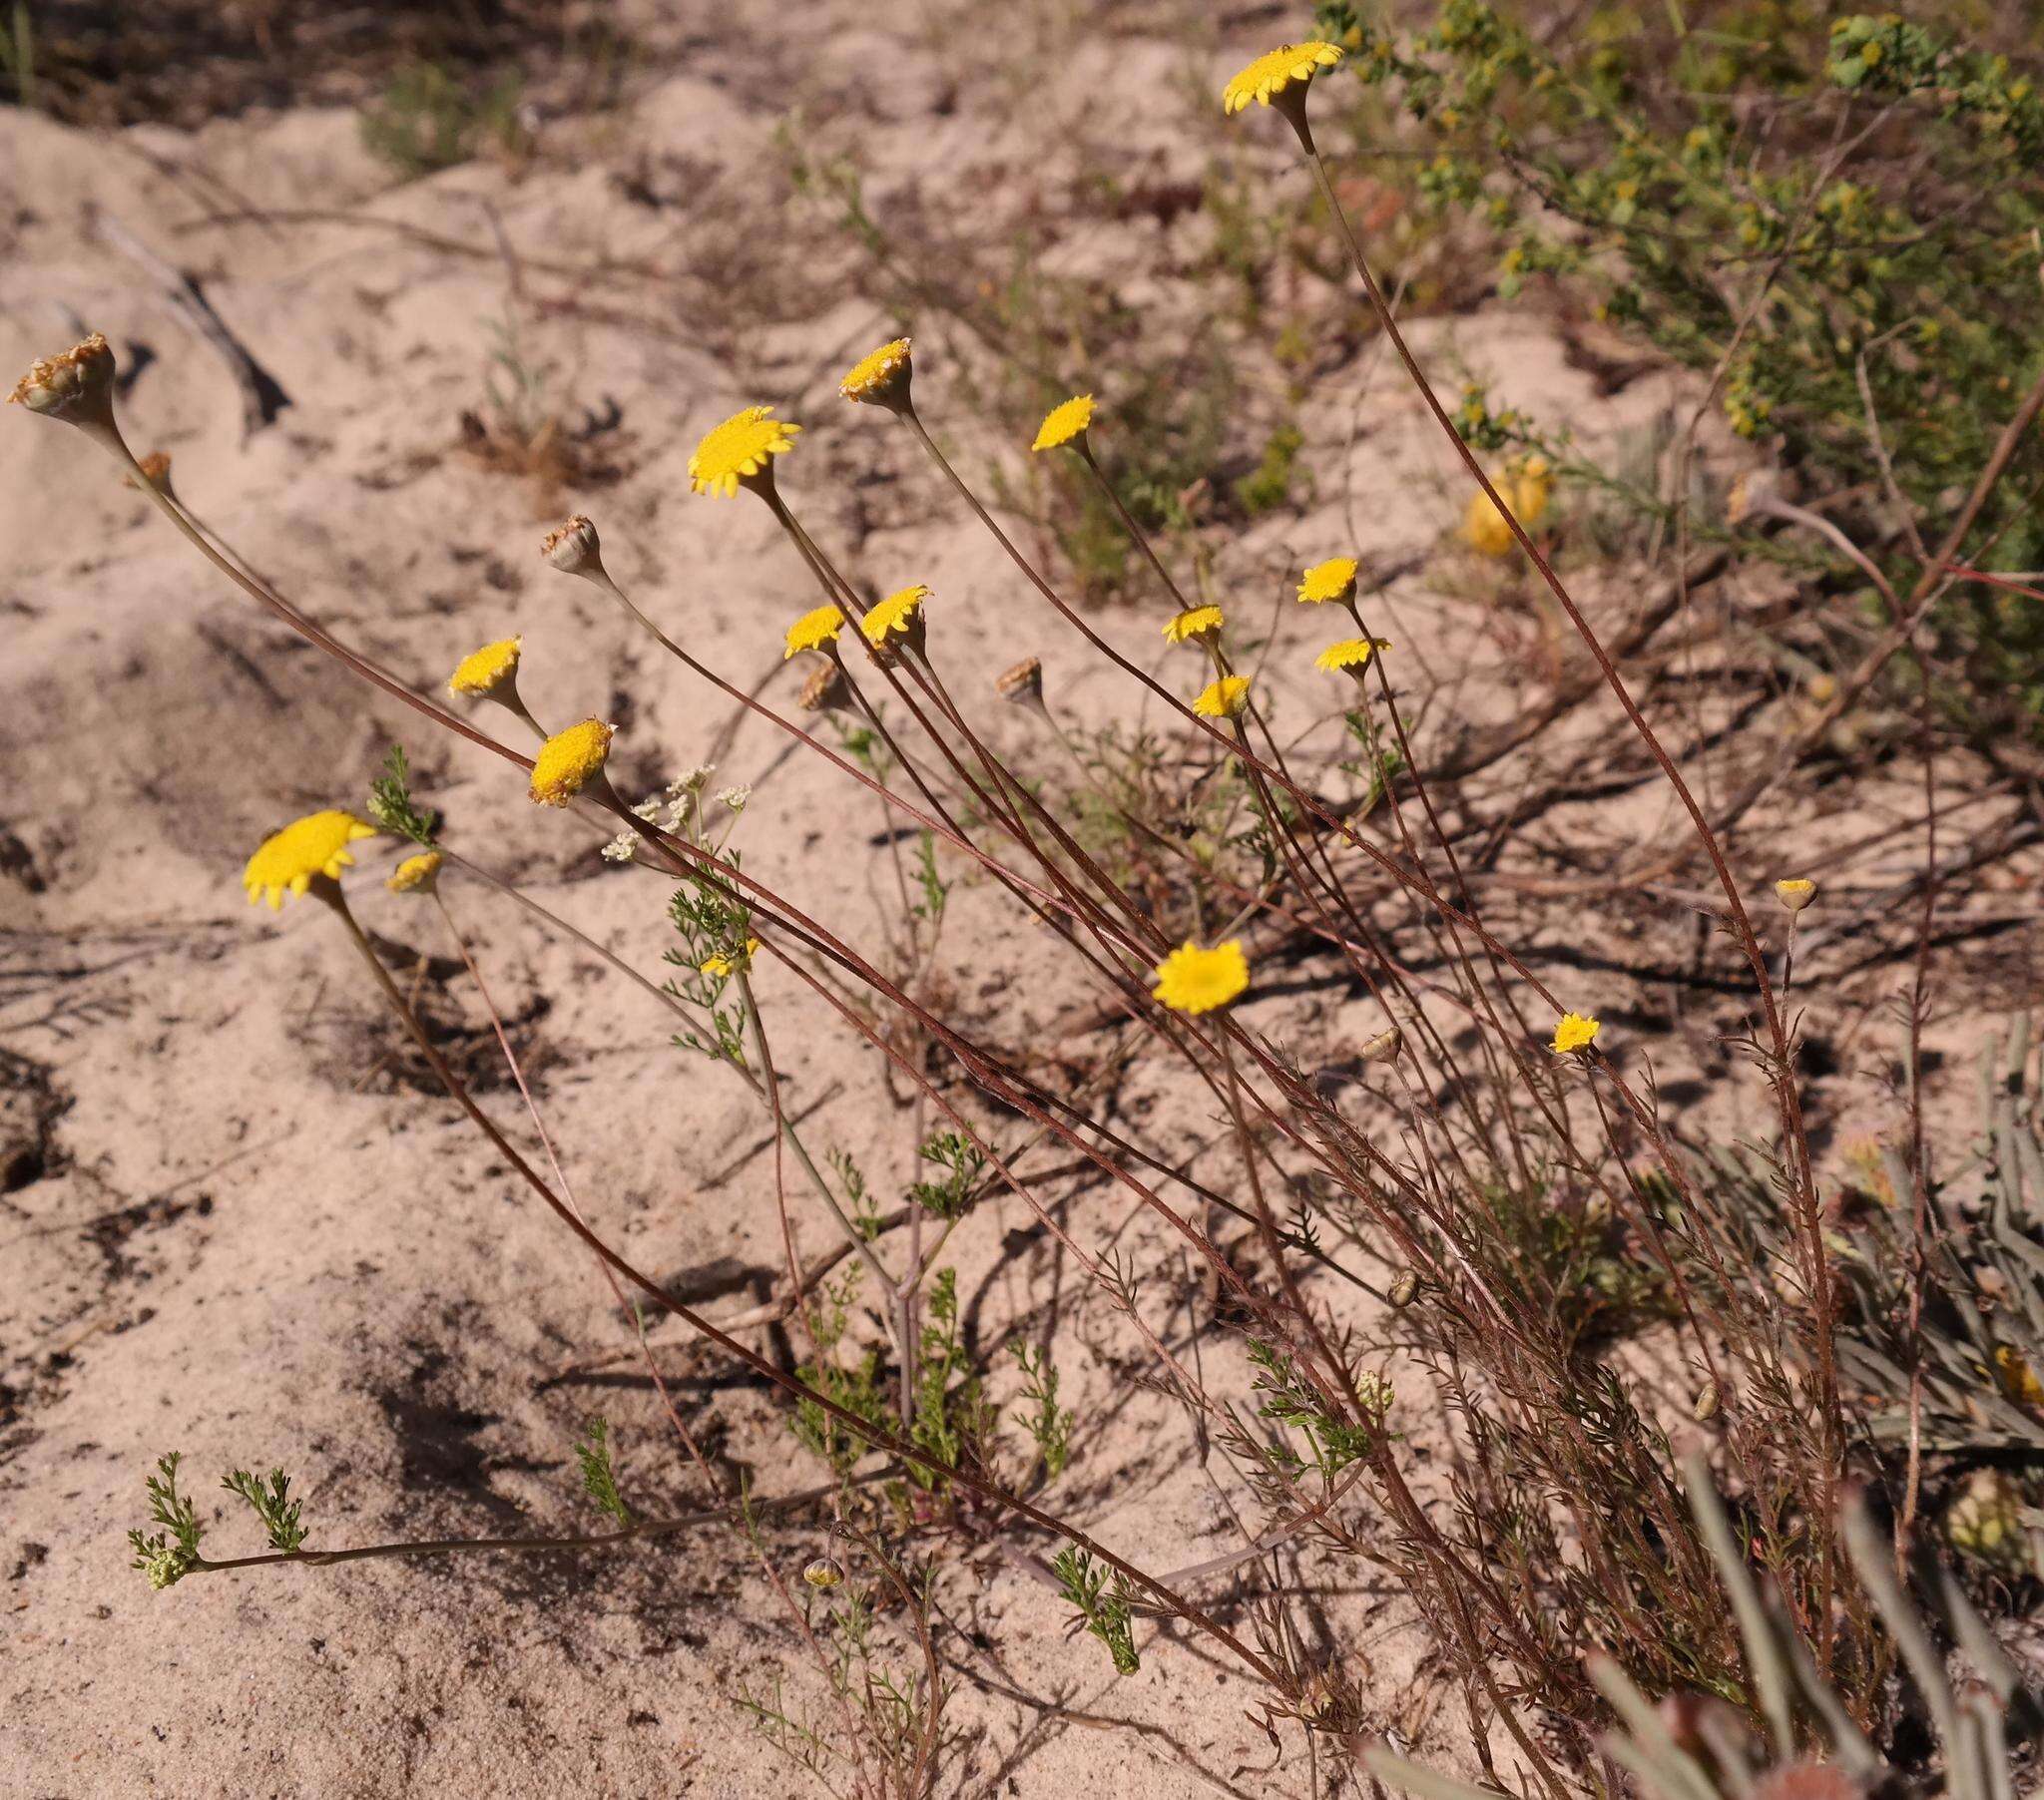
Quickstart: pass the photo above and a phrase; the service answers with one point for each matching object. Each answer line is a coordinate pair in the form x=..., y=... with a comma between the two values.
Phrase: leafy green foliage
x=599, y=1479
x=1287, y=1398
x=952, y=1419
x=428, y=119
x=166, y=1557
x=391, y=805
x=963, y=1163
x=1103, y=1606
x=271, y=1503
x=1049, y=1425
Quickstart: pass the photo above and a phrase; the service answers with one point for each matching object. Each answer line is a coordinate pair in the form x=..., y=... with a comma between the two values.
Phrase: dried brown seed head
x=1023, y=683
x=77, y=386
x=573, y=547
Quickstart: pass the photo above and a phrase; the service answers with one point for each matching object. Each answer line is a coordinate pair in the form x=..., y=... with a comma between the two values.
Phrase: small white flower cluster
x=671, y=809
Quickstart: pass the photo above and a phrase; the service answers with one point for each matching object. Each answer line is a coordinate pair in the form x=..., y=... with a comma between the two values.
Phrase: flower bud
x=823, y=1573
x=1796, y=895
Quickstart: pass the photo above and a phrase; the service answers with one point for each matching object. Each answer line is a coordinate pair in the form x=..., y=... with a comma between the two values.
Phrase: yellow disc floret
x=1574, y=1032
x=1193, y=625
x=1351, y=654
x=1275, y=71
x=415, y=873
x=740, y=450
x=1223, y=699
x=813, y=630
x=1192, y=980
x=899, y=615
x=290, y=861
x=1332, y=579
x=1065, y=422
x=484, y=671
x=880, y=378
x=569, y=760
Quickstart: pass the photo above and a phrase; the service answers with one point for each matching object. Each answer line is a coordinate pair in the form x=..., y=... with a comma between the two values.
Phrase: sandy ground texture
x=238, y=1221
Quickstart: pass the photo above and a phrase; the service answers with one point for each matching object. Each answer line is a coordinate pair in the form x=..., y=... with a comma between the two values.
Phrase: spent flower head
x=573, y=547
x=313, y=848
x=569, y=760
x=825, y=690
x=1193, y=980
x=882, y=379
x=75, y=385
x=1022, y=684
x=740, y=452
x=1065, y=423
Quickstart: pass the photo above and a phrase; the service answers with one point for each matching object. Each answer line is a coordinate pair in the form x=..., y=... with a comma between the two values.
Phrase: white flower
x=648, y=809
x=690, y=781
x=736, y=798
x=620, y=848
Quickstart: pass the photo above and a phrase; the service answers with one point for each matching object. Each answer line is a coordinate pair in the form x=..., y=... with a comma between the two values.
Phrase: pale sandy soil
x=227, y=1229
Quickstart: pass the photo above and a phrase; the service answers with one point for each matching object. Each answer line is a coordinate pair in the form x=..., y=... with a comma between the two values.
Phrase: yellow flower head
x=899, y=615
x=2018, y=1380
x=814, y=630
x=880, y=379
x=1275, y=71
x=415, y=873
x=1525, y=488
x=1192, y=980
x=724, y=966
x=484, y=671
x=305, y=849
x=1223, y=699
x=1063, y=423
x=569, y=759
x=1796, y=894
x=1573, y=1033
x=1351, y=654
x=1332, y=579
x=1193, y=625
x=740, y=450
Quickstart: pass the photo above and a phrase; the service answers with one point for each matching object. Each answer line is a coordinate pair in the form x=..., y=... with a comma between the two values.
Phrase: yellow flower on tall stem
x=569, y=760
x=313, y=848
x=1574, y=1032
x=816, y=630
x=482, y=671
x=740, y=452
x=1193, y=625
x=1351, y=657
x=1224, y=698
x=1065, y=423
x=882, y=379
x=415, y=874
x=1288, y=68
x=1333, y=580
x=1193, y=980
x=898, y=615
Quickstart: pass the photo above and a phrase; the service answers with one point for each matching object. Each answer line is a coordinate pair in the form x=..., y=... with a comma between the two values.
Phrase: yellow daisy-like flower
x=2018, y=1380
x=1193, y=626
x=813, y=630
x=1574, y=1032
x=726, y=966
x=882, y=378
x=414, y=872
x=1526, y=490
x=1192, y=980
x=1332, y=579
x=1223, y=699
x=899, y=615
x=312, y=846
x=1064, y=422
x=569, y=759
x=484, y=671
x=740, y=450
x=1350, y=654
x=1796, y=894
x=1275, y=71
